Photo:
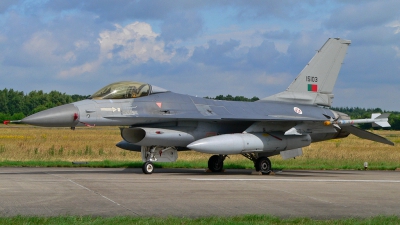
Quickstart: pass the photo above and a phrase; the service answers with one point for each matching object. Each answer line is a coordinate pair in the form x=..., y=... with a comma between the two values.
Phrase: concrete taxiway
x=194, y=193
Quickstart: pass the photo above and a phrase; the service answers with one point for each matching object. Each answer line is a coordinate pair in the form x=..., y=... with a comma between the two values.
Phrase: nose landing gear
x=148, y=167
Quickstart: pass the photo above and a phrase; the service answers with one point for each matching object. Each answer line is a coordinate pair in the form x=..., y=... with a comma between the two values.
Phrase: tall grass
x=24, y=143
x=27, y=143
x=215, y=220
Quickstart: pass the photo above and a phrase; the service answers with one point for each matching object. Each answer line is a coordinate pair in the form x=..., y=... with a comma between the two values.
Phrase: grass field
x=23, y=145
x=247, y=219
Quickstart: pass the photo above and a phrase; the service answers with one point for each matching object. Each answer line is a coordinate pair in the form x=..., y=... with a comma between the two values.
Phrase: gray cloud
x=181, y=26
x=363, y=14
x=64, y=41
x=263, y=56
x=216, y=54
x=371, y=66
x=5, y=4
x=284, y=34
x=181, y=48
x=375, y=36
x=127, y=9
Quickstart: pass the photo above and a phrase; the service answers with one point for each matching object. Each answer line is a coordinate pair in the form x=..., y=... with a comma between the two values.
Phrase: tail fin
x=314, y=84
x=381, y=120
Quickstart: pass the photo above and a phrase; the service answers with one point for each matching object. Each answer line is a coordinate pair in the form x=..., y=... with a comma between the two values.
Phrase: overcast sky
x=203, y=48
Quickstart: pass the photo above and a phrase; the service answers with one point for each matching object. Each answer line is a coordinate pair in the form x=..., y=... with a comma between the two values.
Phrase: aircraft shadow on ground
x=184, y=172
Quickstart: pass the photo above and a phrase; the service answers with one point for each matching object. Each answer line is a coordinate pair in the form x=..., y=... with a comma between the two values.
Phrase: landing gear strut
x=151, y=154
x=262, y=164
x=148, y=166
x=216, y=163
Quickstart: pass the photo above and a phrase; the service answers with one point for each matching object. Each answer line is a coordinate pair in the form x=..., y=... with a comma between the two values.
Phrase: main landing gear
x=262, y=164
x=216, y=163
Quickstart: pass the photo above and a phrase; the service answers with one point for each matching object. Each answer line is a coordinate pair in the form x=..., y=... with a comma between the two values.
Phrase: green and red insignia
x=312, y=87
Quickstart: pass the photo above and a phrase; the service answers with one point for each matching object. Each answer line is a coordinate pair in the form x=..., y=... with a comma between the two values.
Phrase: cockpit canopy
x=126, y=89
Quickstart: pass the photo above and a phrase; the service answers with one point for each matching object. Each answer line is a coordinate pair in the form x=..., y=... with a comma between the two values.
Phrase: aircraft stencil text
x=311, y=79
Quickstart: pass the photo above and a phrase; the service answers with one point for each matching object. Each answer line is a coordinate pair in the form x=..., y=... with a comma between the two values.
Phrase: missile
x=249, y=142
x=377, y=120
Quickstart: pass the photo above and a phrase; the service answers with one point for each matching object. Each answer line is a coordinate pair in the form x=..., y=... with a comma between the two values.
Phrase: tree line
x=15, y=105
x=236, y=98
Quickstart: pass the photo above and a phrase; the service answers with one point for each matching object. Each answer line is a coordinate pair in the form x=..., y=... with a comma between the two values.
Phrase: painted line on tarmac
x=295, y=180
x=90, y=190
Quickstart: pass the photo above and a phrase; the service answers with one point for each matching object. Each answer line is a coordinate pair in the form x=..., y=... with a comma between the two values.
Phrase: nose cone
x=61, y=116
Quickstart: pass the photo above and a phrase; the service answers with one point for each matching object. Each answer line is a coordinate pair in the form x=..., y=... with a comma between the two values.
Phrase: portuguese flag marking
x=312, y=87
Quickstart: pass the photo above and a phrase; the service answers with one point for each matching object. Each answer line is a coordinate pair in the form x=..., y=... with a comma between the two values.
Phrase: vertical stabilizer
x=314, y=84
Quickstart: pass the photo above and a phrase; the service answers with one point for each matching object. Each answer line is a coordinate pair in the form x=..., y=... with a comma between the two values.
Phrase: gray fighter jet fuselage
x=159, y=123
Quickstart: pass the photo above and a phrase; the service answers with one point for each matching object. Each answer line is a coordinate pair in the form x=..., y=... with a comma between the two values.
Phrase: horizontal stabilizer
x=366, y=135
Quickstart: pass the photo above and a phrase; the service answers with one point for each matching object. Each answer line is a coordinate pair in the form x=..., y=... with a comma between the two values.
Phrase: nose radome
x=60, y=116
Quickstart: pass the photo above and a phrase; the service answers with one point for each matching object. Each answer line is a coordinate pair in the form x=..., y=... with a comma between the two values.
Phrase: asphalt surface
x=195, y=193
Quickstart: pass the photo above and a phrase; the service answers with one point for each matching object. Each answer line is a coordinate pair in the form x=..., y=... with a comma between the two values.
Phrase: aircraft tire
x=148, y=168
x=263, y=165
x=215, y=163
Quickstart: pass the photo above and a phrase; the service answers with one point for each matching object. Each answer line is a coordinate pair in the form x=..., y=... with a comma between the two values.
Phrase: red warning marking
x=159, y=104
x=6, y=122
x=210, y=134
x=276, y=137
x=88, y=125
x=75, y=116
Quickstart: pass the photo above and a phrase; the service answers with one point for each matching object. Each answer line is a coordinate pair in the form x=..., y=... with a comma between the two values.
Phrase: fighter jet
x=160, y=123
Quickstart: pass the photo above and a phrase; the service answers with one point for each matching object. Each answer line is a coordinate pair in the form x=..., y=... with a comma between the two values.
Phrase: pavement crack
x=306, y=196
x=94, y=192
